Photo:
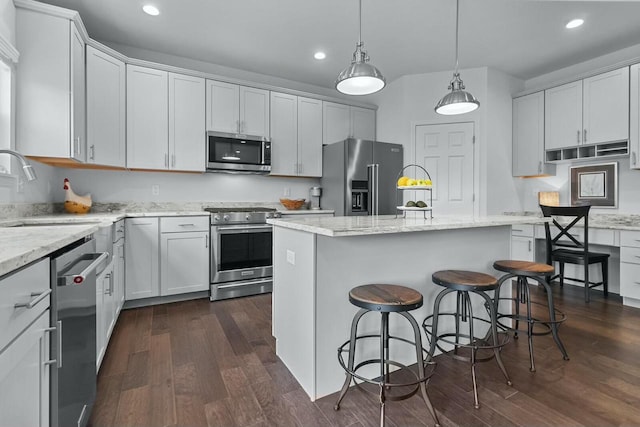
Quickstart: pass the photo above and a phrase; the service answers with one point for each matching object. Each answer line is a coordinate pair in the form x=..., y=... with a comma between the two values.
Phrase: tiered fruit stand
x=400, y=206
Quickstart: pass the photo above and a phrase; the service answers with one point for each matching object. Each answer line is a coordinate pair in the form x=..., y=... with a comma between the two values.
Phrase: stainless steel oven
x=241, y=252
x=227, y=152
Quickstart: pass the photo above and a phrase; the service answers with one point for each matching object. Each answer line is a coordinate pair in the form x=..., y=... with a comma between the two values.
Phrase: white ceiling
x=524, y=38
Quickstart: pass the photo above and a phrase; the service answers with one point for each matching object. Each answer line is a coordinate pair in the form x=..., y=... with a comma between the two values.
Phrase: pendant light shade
x=458, y=101
x=360, y=78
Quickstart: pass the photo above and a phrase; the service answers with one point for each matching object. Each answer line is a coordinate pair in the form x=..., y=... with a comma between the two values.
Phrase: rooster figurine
x=74, y=203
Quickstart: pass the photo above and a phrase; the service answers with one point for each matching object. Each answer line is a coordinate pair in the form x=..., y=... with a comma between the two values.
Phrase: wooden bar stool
x=522, y=271
x=463, y=283
x=386, y=299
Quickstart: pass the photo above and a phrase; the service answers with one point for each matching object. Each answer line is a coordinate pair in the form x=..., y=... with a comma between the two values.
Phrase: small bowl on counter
x=292, y=204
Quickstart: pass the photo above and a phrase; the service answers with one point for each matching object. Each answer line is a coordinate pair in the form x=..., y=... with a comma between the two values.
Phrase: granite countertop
x=306, y=211
x=604, y=221
x=365, y=225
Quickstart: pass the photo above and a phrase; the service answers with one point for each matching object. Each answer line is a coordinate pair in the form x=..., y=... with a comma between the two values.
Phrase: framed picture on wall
x=596, y=185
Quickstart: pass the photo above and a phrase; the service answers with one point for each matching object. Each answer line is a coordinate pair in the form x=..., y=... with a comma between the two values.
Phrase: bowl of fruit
x=405, y=182
x=292, y=204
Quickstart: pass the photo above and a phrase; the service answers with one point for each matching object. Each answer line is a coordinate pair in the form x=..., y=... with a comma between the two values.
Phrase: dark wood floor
x=198, y=363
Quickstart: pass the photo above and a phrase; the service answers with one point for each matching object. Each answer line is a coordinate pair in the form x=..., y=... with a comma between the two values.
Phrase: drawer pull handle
x=187, y=225
x=39, y=296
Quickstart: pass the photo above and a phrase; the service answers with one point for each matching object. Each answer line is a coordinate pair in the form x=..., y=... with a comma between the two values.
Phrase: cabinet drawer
x=630, y=255
x=630, y=280
x=18, y=288
x=525, y=230
x=630, y=238
x=184, y=223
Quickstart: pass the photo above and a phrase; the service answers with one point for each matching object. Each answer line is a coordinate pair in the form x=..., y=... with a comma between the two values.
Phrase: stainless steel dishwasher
x=73, y=315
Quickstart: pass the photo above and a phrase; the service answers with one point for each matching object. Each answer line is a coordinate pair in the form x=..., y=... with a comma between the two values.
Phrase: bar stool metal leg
x=552, y=317
x=352, y=355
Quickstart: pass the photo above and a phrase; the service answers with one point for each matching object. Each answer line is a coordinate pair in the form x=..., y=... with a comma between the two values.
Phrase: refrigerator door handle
x=371, y=187
x=377, y=170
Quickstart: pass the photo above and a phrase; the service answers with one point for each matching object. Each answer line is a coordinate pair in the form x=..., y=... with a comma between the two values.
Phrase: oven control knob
x=248, y=217
x=216, y=218
x=225, y=218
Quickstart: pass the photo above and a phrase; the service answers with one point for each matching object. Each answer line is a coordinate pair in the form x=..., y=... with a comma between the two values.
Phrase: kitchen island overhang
x=318, y=260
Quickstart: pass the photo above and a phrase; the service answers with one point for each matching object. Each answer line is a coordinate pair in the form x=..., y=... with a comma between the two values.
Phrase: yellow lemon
x=411, y=181
x=402, y=181
x=427, y=182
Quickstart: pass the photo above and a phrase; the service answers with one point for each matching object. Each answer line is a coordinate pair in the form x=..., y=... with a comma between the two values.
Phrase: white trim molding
x=8, y=51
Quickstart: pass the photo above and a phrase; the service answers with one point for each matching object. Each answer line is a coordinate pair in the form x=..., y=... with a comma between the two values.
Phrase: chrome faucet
x=28, y=170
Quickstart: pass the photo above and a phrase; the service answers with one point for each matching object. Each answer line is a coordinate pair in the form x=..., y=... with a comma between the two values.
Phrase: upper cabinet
x=634, y=128
x=588, y=118
x=50, y=87
x=106, y=131
x=237, y=109
x=165, y=120
x=528, y=136
x=343, y=121
x=296, y=135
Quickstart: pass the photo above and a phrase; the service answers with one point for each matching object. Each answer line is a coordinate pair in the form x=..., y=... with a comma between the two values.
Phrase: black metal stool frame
x=464, y=313
x=523, y=295
x=421, y=380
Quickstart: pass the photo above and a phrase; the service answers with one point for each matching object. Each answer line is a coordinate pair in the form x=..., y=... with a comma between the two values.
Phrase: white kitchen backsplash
x=628, y=188
x=127, y=186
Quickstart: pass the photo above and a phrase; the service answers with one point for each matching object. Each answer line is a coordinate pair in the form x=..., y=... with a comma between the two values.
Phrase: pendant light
x=458, y=101
x=360, y=78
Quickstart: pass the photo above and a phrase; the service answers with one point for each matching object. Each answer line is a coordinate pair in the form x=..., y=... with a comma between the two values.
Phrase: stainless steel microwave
x=228, y=152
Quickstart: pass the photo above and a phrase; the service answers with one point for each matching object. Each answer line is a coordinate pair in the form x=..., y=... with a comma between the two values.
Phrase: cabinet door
x=254, y=111
x=78, y=105
x=105, y=109
x=335, y=122
x=141, y=252
x=563, y=116
x=102, y=286
x=634, y=128
x=24, y=377
x=185, y=262
x=363, y=123
x=528, y=134
x=605, y=113
x=118, y=277
x=223, y=107
x=284, y=134
x=309, y=137
x=186, y=123
x=147, y=118
x=522, y=248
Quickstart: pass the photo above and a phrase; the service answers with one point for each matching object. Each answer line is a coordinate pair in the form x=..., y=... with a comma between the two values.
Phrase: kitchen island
x=318, y=260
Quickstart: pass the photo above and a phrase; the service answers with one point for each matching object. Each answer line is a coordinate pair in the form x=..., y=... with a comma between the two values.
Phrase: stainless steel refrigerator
x=359, y=177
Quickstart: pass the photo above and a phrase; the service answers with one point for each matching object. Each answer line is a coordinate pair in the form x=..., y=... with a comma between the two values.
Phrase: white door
x=284, y=134
x=254, y=111
x=186, y=123
x=184, y=262
x=309, y=136
x=147, y=118
x=223, y=107
x=446, y=152
x=106, y=131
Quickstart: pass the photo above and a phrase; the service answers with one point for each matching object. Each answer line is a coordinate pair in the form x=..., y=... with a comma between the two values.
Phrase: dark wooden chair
x=565, y=246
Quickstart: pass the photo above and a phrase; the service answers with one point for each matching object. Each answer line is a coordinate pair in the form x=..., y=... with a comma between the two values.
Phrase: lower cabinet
x=106, y=311
x=522, y=243
x=166, y=256
x=630, y=266
x=24, y=377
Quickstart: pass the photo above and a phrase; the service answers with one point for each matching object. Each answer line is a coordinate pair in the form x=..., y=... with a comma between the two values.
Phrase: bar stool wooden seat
x=524, y=271
x=464, y=283
x=386, y=299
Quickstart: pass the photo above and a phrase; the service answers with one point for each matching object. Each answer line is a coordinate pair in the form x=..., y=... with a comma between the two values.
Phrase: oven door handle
x=242, y=229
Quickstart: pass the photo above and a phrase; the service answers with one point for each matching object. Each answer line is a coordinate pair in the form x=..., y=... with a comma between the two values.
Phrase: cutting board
x=549, y=198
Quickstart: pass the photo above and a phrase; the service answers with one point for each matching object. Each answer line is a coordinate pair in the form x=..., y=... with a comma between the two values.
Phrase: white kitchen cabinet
x=147, y=118
x=24, y=377
x=184, y=255
x=634, y=128
x=24, y=346
x=237, y=109
x=522, y=243
x=590, y=111
x=105, y=311
x=630, y=266
x=296, y=135
x=165, y=120
x=50, y=87
x=186, y=123
x=344, y=121
x=118, y=275
x=141, y=254
x=106, y=102
x=528, y=136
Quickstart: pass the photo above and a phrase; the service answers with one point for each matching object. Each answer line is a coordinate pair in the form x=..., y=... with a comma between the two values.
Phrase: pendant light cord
x=359, y=22
x=457, y=17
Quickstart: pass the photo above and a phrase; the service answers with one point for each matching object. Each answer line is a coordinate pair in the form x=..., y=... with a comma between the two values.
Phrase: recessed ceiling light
x=574, y=23
x=319, y=55
x=151, y=10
